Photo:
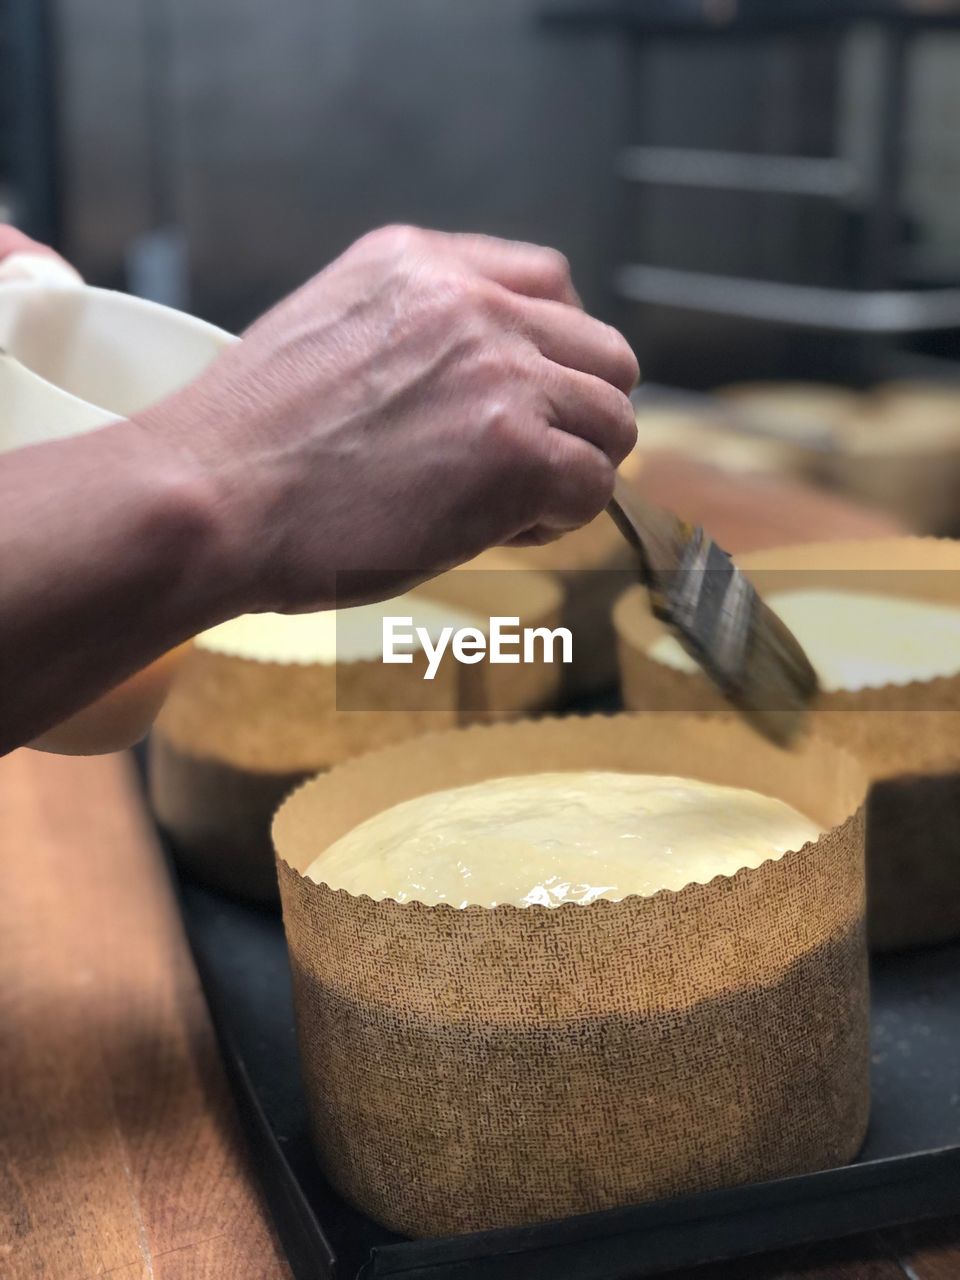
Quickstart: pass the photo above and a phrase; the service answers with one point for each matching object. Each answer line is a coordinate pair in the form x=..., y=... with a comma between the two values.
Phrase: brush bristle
x=778, y=683
x=772, y=683
x=715, y=613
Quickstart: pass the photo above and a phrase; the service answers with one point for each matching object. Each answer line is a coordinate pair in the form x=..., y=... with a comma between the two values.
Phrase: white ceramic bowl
x=83, y=358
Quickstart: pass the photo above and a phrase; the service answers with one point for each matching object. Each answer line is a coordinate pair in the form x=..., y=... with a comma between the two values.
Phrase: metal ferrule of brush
x=712, y=605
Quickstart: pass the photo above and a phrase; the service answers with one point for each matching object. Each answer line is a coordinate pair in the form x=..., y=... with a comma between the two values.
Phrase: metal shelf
x=825, y=177
x=697, y=16
x=850, y=311
x=864, y=179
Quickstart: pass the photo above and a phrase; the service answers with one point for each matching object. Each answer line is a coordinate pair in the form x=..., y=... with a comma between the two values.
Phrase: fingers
x=541, y=480
x=584, y=406
x=538, y=536
x=578, y=484
x=528, y=269
x=580, y=342
x=26, y=259
x=14, y=241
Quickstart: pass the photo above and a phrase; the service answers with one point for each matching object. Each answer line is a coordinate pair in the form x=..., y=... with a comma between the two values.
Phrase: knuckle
x=586, y=476
x=490, y=299
x=446, y=293
x=471, y=298
x=501, y=365
x=595, y=475
x=395, y=237
x=498, y=425
x=463, y=294
x=560, y=464
x=557, y=263
x=624, y=430
x=604, y=481
x=555, y=269
x=614, y=415
x=439, y=302
x=623, y=362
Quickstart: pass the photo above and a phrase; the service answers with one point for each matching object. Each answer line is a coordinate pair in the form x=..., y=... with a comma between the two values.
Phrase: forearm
x=423, y=398
x=110, y=554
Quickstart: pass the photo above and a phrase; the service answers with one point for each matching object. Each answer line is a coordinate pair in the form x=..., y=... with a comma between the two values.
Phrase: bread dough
x=551, y=838
x=344, y=635
x=856, y=640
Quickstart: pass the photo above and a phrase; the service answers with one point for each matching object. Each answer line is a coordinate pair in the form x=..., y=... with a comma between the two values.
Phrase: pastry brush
x=718, y=618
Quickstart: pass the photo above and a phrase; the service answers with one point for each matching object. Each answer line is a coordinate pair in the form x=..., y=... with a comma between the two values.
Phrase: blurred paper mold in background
x=901, y=452
x=895, y=446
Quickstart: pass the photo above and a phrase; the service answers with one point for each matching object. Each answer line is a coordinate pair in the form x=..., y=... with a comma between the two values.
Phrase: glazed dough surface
x=856, y=640
x=550, y=838
x=347, y=635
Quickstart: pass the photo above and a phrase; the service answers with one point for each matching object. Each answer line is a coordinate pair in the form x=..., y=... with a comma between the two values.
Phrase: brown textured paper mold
x=479, y=1068
x=908, y=736
x=237, y=734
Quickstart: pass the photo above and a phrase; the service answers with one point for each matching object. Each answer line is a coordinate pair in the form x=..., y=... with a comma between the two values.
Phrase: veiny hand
x=423, y=398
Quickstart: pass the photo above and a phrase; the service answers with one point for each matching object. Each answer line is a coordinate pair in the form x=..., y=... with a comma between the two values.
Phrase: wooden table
x=119, y=1149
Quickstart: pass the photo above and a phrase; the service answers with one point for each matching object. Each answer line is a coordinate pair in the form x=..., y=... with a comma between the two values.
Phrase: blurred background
x=756, y=191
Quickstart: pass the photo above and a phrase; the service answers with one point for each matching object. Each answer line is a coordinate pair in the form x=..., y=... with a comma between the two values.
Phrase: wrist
x=187, y=520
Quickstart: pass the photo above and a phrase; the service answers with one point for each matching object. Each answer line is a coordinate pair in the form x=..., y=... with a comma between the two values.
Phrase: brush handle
x=657, y=536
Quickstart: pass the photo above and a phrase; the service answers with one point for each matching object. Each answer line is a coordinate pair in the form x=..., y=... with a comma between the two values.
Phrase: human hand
x=24, y=259
x=423, y=398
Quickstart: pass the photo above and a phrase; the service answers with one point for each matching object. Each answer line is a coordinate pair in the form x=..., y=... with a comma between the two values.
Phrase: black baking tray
x=909, y=1168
